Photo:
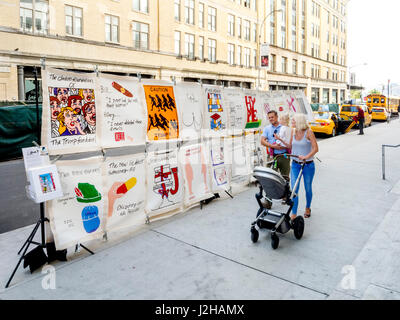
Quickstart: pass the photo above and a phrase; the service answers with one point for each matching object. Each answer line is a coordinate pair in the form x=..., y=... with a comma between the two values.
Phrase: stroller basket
x=272, y=182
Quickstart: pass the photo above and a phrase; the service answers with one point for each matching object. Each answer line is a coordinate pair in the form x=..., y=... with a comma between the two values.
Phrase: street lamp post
x=259, y=45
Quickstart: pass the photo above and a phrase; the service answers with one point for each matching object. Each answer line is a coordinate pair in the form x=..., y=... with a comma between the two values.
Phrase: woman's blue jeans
x=308, y=176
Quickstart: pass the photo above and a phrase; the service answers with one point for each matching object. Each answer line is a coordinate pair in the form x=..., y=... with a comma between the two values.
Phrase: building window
x=284, y=65
x=315, y=95
x=201, y=15
x=255, y=58
x=255, y=32
x=141, y=35
x=177, y=10
x=73, y=21
x=247, y=57
x=334, y=96
x=212, y=19
x=294, y=67
x=325, y=96
x=212, y=50
x=247, y=30
x=141, y=5
x=177, y=38
x=239, y=27
x=231, y=25
x=273, y=63
x=239, y=55
x=34, y=15
x=231, y=53
x=189, y=45
x=201, y=48
x=112, y=28
x=189, y=11
x=304, y=68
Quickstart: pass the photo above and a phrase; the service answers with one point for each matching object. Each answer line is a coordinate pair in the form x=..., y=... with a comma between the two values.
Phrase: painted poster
x=124, y=191
x=123, y=118
x=219, y=168
x=303, y=104
x=240, y=165
x=215, y=112
x=162, y=113
x=237, y=112
x=69, y=112
x=189, y=97
x=164, y=193
x=78, y=216
x=267, y=104
x=193, y=159
x=280, y=101
x=254, y=110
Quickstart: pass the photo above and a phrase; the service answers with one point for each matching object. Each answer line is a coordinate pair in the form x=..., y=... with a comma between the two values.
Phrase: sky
x=373, y=38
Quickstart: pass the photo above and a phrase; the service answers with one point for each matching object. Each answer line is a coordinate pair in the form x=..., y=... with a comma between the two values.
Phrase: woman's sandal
x=307, y=214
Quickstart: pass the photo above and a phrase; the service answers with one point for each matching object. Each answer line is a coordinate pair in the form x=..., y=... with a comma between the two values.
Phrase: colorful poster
x=69, y=112
x=162, y=114
x=164, y=193
x=123, y=118
x=219, y=169
x=78, y=216
x=124, y=191
x=237, y=112
x=253, y=109
x=215, y=113
x=189, y=97
x=193, y=159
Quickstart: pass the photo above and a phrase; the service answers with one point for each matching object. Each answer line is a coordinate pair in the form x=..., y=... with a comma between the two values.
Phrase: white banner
x=220, y=174
x=237, y=112
x=69, y=112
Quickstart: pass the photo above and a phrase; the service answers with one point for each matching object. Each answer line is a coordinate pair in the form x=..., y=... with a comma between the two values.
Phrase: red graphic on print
x=119, y=136
x=290, y=103
x=251, y=111
x=166, y=181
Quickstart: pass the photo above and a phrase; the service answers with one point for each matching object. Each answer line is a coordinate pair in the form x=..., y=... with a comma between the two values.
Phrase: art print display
x=123, y=117
x=219, y=168
x=237, y=112
x=125, y=191
x=193, y=159
x=69, y=112
x=303, y=104
x=165, y=186
x=44, y=183
x=162, y=113
x=189, y=97
x=78, y=215
x=254, y=110
x=215, y=112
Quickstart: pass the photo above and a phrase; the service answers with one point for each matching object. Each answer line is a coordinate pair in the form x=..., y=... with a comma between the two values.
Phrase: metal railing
x=383, y=157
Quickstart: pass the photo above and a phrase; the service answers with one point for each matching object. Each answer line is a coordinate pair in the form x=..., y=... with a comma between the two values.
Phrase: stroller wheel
x=254, y=235
x=298, y=227
x=274, y=241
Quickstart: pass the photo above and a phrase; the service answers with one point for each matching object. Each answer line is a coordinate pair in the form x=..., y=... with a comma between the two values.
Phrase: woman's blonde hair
x=284, y=118
x=301, y=121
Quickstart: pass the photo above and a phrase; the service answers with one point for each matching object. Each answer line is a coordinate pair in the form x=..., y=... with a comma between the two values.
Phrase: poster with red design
x=220, y=175
x=215, y=112
x=195, y=169
x=254, y=111
x=69, y=123
x=165, y=186
x=124, y=179
x=122, y=117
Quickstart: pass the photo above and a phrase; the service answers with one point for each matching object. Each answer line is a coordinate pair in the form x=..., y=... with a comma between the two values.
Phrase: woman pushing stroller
x=303, y=145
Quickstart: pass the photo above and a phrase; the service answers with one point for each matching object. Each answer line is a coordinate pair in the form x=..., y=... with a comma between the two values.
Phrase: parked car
x=325, y=122
x=350, y=111
x=379, y=113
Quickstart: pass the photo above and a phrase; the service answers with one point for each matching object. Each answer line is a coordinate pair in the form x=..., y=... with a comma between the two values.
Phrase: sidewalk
x=208, y=254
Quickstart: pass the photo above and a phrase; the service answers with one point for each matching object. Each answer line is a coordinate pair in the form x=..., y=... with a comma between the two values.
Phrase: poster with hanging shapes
x=236, y=110
x=69, y=112
x=124, y=191
x=194, y=162
x=162, y=111
x=123, y=117
x=254, y=112
x=218, y=163
x=215, y=112
x=78, y=216
x=189, y=97
x=164, y=184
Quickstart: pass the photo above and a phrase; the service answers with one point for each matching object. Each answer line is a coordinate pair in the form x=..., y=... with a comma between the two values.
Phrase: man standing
x=268, y=140
x=360, y=119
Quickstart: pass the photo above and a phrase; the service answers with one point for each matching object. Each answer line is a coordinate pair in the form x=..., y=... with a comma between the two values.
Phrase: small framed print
x=45, y=183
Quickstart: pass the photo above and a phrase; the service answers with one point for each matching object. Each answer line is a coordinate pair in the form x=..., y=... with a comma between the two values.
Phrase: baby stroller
x=276, y=188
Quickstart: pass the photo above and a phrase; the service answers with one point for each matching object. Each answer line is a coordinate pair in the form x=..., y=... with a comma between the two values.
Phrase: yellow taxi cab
x=379, y=113
x=350, y=111
x=325, y=122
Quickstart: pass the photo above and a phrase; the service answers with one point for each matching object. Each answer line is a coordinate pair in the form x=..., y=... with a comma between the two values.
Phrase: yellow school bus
x=381, y=101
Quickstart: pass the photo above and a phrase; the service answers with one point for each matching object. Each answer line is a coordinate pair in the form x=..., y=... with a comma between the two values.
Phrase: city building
x=215, y=42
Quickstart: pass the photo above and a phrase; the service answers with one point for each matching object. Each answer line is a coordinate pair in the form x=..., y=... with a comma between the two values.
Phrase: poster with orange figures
x=162, y=114
x=194, y=162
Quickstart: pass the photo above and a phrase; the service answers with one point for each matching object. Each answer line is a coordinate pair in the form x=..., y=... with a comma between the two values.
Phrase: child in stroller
x=277, y=188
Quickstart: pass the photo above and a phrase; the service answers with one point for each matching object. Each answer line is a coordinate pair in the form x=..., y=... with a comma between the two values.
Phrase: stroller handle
x=284, y=155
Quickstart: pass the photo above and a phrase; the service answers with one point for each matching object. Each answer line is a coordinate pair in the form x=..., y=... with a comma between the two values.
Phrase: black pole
x=37, y=105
